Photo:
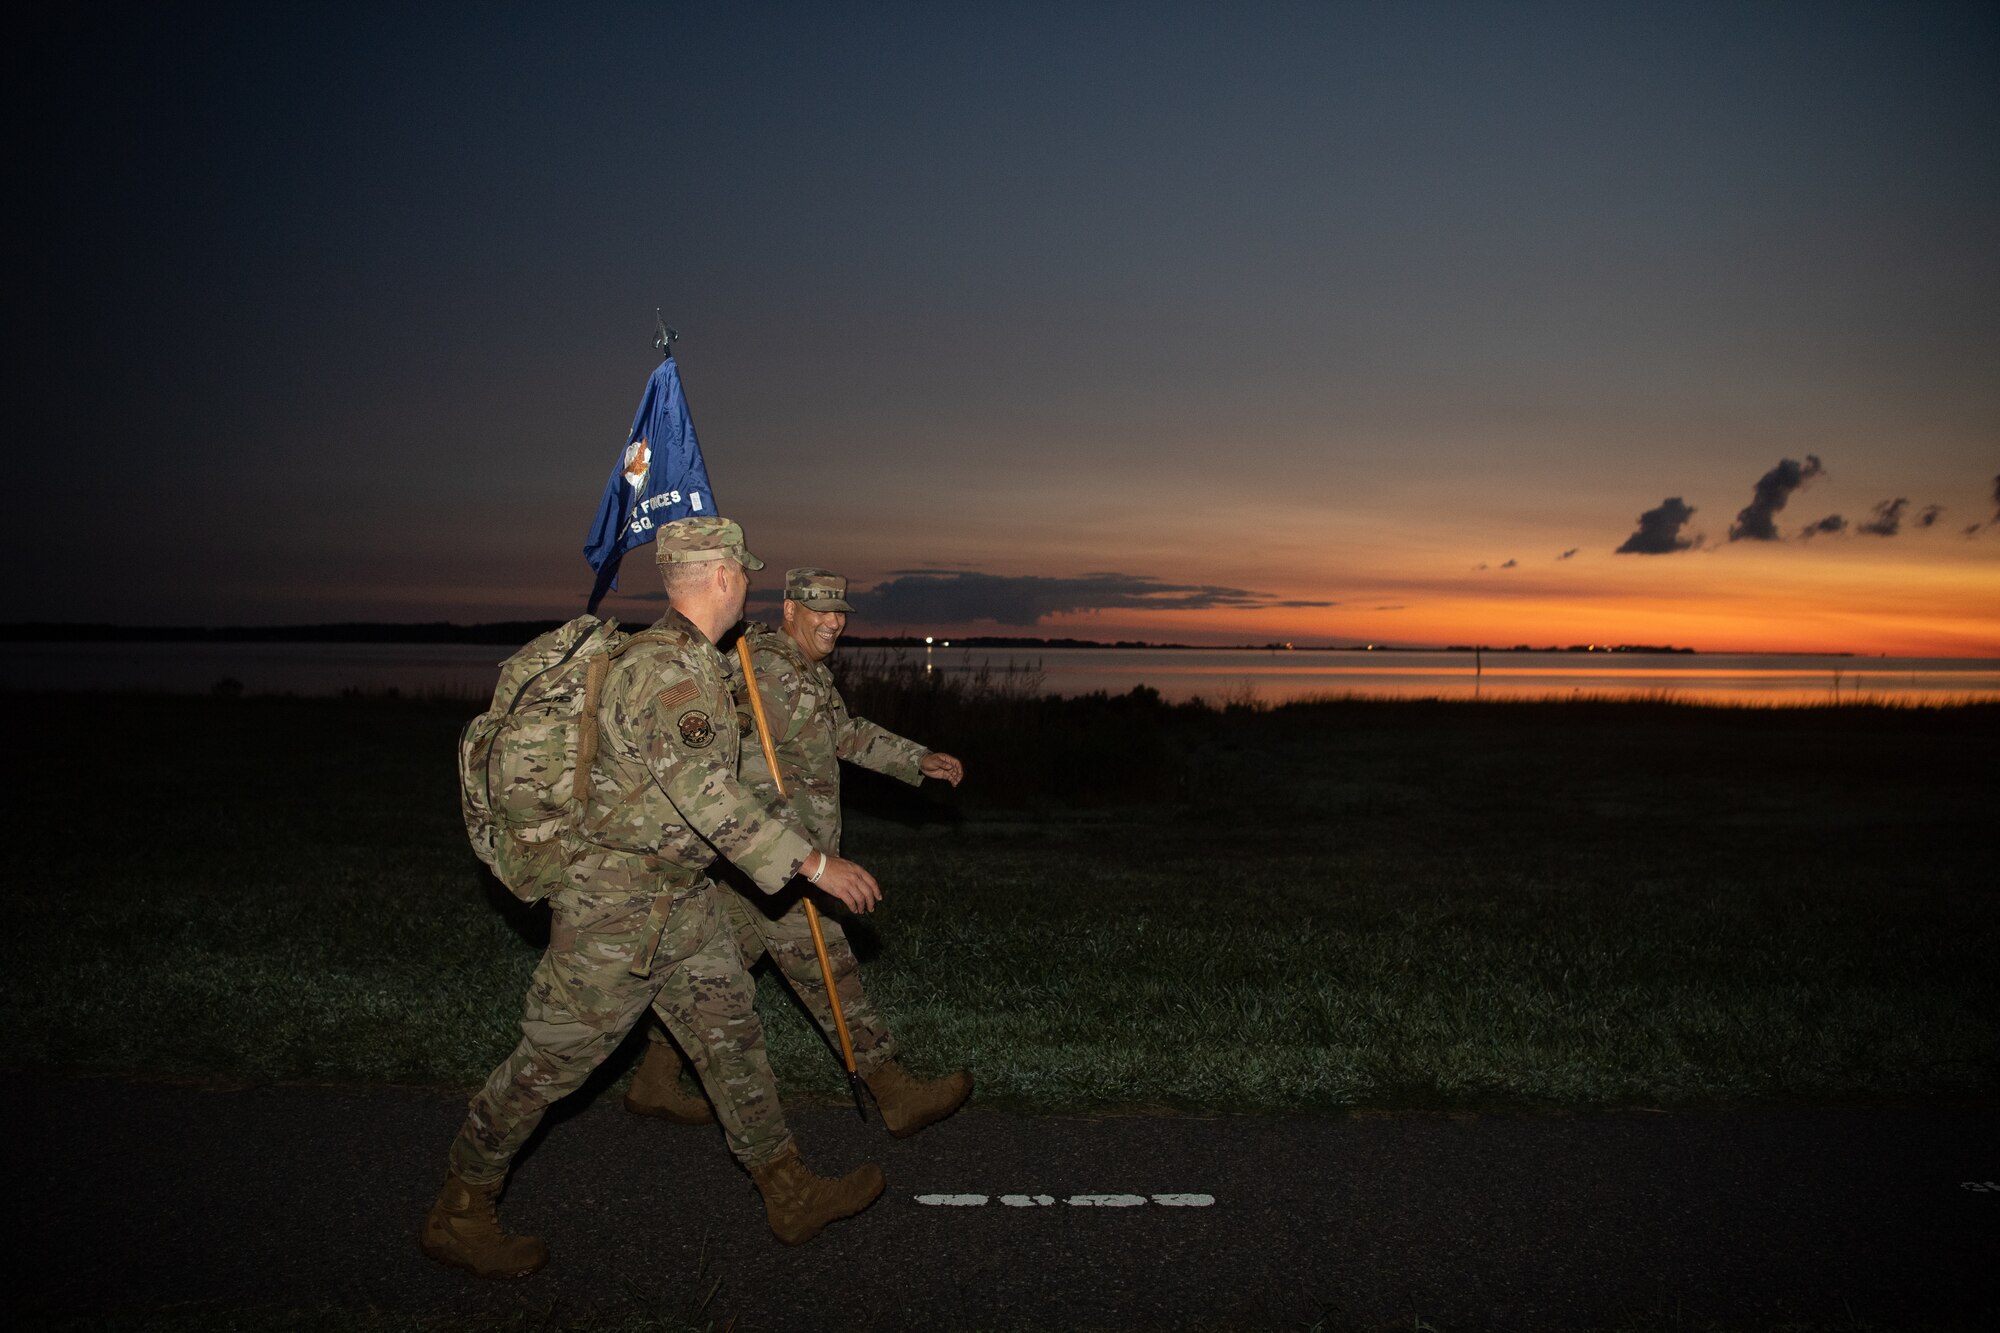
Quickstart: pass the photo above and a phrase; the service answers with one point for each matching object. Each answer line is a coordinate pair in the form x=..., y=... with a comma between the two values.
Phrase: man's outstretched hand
x=937, y=764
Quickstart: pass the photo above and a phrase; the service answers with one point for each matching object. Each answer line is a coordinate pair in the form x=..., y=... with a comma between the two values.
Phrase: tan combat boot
x=908, y=1104
x=800, y=1204
x=657, y=1089
x=463, y=1229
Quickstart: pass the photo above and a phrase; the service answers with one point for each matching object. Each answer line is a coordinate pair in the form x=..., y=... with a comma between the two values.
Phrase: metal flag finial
x=664, y=337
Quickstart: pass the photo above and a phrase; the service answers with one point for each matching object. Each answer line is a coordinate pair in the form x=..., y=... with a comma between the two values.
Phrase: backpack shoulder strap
x=588, y=727
x=596, y=671
x=653, y=635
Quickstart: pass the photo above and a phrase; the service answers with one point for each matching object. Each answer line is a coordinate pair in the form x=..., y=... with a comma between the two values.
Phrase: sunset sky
x=1210, y=323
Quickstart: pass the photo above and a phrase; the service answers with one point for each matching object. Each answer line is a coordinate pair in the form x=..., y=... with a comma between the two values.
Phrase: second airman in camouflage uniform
x=812, y=732
x=639, y=923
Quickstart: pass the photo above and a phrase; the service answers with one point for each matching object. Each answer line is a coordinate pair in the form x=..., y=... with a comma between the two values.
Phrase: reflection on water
x=468, y=671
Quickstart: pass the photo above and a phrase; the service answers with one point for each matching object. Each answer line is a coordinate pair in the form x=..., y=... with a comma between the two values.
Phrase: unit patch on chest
x=695, y=730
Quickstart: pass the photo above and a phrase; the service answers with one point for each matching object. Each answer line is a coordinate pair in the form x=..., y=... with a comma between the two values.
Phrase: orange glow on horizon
x=1723, y=602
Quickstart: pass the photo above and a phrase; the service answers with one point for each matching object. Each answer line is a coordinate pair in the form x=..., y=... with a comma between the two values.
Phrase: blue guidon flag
x=659, y=477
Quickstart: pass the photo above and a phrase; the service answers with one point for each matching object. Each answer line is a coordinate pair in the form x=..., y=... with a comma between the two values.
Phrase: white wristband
x=814, y=877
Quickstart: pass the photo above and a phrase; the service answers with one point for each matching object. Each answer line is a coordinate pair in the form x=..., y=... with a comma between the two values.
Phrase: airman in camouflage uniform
x=640, y=924
x=813, y=731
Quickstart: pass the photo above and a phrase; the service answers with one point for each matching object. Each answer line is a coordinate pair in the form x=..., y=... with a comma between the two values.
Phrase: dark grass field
x=1348, y=904
x=669, y=1319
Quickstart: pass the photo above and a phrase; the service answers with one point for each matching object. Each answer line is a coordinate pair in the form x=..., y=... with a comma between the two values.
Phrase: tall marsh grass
x=1025, y=745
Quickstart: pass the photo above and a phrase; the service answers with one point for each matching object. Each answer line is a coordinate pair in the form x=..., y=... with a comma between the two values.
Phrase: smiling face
x=815, y=632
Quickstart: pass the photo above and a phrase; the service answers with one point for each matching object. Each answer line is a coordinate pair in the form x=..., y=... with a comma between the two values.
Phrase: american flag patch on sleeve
x=679, y=694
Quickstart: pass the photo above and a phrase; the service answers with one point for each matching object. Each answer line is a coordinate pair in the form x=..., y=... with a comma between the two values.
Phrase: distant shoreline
x=514, y=632
x=520, y=631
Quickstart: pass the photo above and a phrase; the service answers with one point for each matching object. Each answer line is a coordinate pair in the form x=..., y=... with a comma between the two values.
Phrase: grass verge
x=1316, y=907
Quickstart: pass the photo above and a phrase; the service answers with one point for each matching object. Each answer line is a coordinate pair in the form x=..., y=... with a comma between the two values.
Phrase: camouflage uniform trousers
x=787, y=939
x=583, y=999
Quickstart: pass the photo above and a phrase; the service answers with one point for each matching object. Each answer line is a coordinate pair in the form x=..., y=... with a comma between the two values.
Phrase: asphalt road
x=146, y=1196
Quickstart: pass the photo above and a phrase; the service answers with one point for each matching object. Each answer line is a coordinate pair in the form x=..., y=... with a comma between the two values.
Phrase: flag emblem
x=658, y=477
x=638, y=461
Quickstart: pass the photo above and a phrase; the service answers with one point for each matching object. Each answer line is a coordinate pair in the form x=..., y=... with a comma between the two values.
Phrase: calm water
x=468, y=671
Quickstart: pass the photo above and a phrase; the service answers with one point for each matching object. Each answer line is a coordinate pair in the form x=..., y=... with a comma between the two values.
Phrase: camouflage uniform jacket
x=812, y=731
x=664, y=785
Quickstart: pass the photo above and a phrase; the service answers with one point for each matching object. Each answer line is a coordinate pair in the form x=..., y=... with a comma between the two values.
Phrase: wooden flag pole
x=812, y=912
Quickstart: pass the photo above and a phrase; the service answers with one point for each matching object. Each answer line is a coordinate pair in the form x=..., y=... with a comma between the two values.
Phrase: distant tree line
x=498, y=632
x=520, y=631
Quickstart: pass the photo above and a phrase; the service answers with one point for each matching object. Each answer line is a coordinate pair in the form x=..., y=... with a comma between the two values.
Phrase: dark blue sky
x=343, y=312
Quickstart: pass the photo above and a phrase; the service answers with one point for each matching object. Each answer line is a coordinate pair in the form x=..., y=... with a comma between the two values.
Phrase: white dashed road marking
x=1074, y=1200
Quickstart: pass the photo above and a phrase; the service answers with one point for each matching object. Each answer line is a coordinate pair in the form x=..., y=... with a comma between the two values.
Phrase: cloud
x=1567, y=554
x=1510, y=564
x=1888, y=520
x=1659, y=530
x=1481, y=565
x=1755, y=521
x=1928, y=516
x=1395, y=606
x=1832, y=523
x=937, y=596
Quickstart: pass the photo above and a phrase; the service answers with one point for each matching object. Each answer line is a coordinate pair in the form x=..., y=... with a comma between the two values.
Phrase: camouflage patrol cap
x=707, y=537
x=817, y=589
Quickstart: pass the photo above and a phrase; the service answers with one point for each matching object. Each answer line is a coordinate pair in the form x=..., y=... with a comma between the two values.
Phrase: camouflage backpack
x=524, y=763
